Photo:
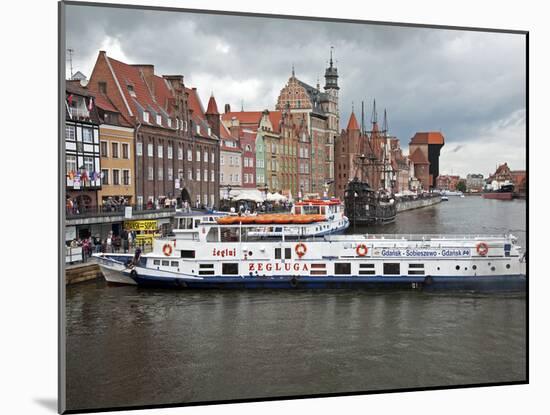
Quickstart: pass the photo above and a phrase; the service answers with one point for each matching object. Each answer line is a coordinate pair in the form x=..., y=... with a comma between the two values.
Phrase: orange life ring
x=167, y=249
x=362, y=250
x=300, y=249
x=482, y=248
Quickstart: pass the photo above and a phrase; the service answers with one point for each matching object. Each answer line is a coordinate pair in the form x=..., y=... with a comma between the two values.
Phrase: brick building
x=169, y=128
x=424, y=150
x=247, y=143
x=474, y=183
x=447, y=182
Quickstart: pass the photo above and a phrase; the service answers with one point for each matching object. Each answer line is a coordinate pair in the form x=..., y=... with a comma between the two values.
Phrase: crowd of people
x=111, y=244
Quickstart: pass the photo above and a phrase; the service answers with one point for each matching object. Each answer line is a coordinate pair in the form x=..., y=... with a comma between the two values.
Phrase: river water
x=128, y=346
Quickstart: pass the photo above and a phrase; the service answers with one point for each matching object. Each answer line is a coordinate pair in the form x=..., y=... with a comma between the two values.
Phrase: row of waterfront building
x=477, y=183
x=134, y=135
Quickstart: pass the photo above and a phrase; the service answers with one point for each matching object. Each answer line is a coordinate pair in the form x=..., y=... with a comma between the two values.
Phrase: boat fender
x=293, y=282
x=428, y=280
x=482, y=248
x=133, y=273
x=300, y=249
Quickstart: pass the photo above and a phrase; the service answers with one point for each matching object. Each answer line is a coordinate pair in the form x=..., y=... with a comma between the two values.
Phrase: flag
x=91, y=104
x=84, y=175
x=70, y=99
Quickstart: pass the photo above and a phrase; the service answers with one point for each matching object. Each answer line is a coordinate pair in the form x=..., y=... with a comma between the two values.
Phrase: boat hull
x=498, y=195
x=439, y=283
x=112, y=270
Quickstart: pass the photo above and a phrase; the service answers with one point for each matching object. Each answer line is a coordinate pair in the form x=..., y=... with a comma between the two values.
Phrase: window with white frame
x=114, y=150
x=146, y=116
x=236, y=177
x=139, y=149
x=212, y=158
x=104, y=149
x=169, y=122
x=245, y=177
x=198, y=176
x=70, y=133
x=231, y=177
x=177, y=123
x=150, y=173
x=189, y=155
x=159, y=151
x=221, y=176
x=70, y=163
x=160, y=174
x=206, y=157
x=105, y=176
x=212, y=200
x=116, y=177
x=184, y=125
x=180, y=153
x=221, y=160
x=89, y=165
x=205, y=198
x=126, y=177
x=159, y=119
x=212, y=176
x=190, y=174
x=198, y=155
x=170, y=173
x=251, y=162
x=150, y=150
x=205, y=175
x=170, y=150
x=125, y=151
x=246, y=162
x=87, y=135
x=237, y=161
x=198, y=129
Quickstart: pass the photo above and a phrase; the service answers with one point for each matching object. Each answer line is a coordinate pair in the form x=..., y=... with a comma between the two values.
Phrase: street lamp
x=301, y=192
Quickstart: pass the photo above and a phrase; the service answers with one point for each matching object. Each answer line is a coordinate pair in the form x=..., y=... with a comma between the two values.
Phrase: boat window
x=230, y=268
x=212, y=235
x=229, y=234
x=416, y=269
x=187, y=253
x=156, y=262
x=342, y=268
x=392, y=268
x=206, y=269
x=288, y=253
x=323, y=210
x=277, y=253
x=165, y=263
x=318, y=269
x=197, y=221
x=174, y=264
x=311, y=210
x=188, y=223
x=366, y=269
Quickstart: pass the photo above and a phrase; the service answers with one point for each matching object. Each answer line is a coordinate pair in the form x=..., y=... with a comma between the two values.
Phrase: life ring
x=300, y=249
x=362, y=250
x=482, y=248
x=167, y=249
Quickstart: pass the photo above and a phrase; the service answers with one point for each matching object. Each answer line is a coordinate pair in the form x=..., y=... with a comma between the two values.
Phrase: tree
x=461, y=186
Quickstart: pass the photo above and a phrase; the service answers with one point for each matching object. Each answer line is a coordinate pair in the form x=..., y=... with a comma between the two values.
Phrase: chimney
x=227, y=108
x=148, y=72
x=234, y=128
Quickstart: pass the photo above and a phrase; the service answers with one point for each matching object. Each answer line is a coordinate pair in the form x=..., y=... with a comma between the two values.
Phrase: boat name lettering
x=224, y=252
x=425, y=253
x=277, y=267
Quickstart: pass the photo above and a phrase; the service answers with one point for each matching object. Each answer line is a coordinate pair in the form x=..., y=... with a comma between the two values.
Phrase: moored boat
x=237, y=256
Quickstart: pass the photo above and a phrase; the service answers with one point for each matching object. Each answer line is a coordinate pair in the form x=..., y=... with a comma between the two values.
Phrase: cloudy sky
x=468, y=85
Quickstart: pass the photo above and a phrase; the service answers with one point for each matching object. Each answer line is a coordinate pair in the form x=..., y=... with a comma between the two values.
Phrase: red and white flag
x=91, y=104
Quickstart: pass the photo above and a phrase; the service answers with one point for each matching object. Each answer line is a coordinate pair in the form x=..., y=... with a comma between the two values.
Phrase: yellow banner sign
x=141, y=225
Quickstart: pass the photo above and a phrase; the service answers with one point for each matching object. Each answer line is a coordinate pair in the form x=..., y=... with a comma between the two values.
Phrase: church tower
x=332, y=110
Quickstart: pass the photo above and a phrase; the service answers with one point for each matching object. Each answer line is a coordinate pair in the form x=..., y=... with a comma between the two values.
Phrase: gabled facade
x=165, y=130
x=424, y=150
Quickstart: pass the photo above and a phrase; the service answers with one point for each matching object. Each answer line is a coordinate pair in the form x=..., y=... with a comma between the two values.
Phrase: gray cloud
x=469, y=85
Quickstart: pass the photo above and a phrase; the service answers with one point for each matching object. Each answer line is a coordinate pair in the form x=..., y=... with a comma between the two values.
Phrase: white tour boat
x=237, y=255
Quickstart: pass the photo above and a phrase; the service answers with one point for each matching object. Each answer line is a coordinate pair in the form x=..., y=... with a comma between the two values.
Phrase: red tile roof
x=251, y=119
x=104, y=103
x=432, y=137
x=198, y=116
x=418, y=157
x=212, y=106
x=156, y=98
x=224, y=132
x=352, y=123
